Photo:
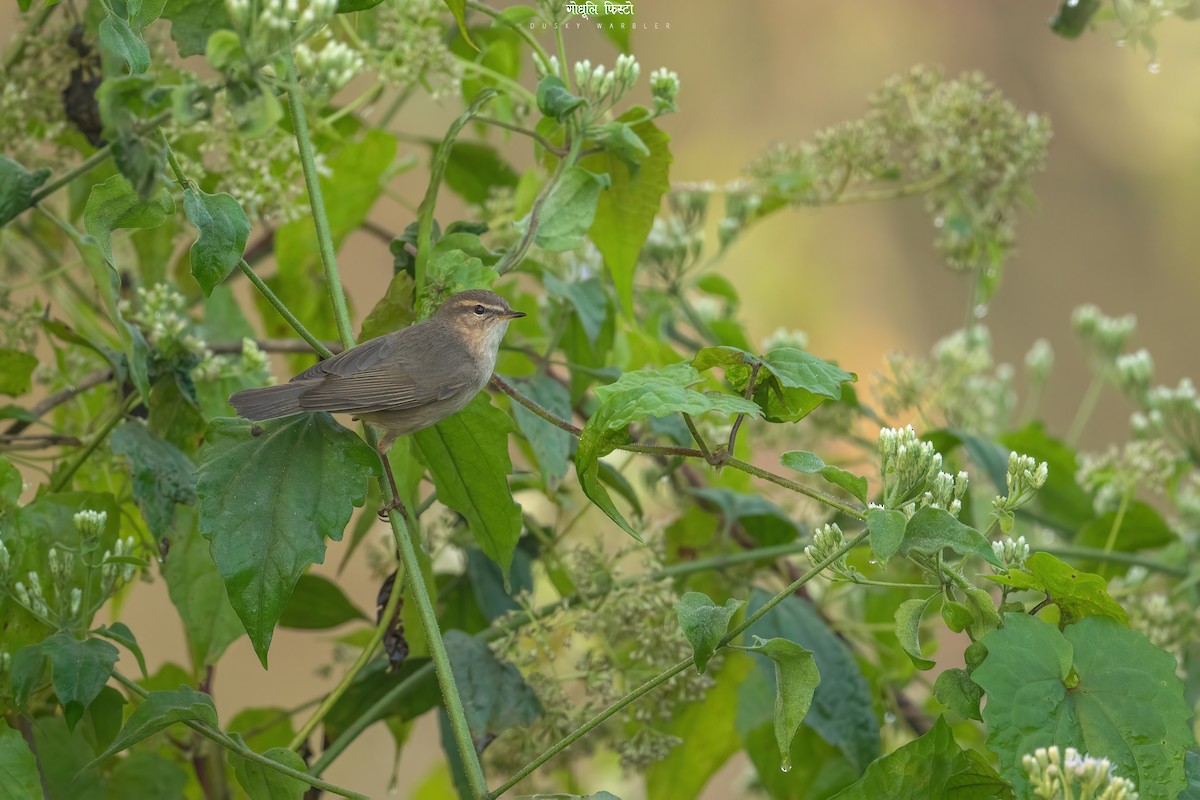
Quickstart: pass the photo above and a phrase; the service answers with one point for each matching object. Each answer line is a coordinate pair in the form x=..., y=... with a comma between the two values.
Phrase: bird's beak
x=514, y=315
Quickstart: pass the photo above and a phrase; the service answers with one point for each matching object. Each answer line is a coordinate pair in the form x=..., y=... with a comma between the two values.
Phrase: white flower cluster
x=599, y=85
x=325, y=71
x=664, y=88
x=161, y=314
x=1173, y=414
x=1039, y=361
x=1135, y=371
x=785, y=337
x=1117, y=473
x=907, y=466
x=827, y=540
x=1024, y=476
x=115, y=573
x=277, y=23
x=946, y=492
x=1105, y=337
x=1011, y=552
x=90, y=524
x=1056, y=776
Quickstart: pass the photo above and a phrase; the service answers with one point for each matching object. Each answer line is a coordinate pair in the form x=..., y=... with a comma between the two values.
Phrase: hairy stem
x=284, y=311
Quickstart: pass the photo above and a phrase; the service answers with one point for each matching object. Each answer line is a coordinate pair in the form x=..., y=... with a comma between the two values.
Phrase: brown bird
x=402, y=381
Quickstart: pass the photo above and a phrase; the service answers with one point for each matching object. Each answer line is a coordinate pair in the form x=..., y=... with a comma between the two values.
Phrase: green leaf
x=932, y=530
x=195, y=587
x=494, y=695
x=887, y=532
x=550, y=444
x=796, y=679
x=932, y=766
x=620, y=139
x=158, y=711
x=956, y=691
x=908, y=629
x=269, y=495
x=707, y=733
x=766, y=522
x=119, y=632
x=393, y=311
x=704, y=623
x=636, y=396
x=1077, y=594
x=554, y=99
x=1192, y=766
x=1096, y=686
x=812, y=464
x=193, y=21
x=458, y=8
x=626, y=211
x=474, y=170
x=17, y=187
x=79, y=670
x=16, y=372
x=1073, y=16
x=318, y=603
x=568, y=211
x=105, y=715
x=1062, y=501
x=585, y=297
x=263, y=783
x=69, y=752
x=842, y=711
x=162, y=475
x=493, y=594
x=348, y=6
x=19, y=778
x=118, y=37
x=114, y=204
x=467, y=455
x=11, y=484
x=147, y=774
x=223, y=228
x=791, y=383
x=1142, y=528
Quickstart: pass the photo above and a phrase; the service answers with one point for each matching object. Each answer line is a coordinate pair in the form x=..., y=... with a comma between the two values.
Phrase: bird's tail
x=269, y=402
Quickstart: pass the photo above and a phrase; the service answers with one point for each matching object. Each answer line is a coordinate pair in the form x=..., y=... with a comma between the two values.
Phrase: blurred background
x=1116, y=223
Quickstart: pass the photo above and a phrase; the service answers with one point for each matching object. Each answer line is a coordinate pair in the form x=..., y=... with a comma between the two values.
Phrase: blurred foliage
x=135, y=194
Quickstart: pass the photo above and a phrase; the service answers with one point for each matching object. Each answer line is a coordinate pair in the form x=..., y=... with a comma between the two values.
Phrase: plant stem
x=708, y=456
x=537, y=137
x=385, y=621
x=513, y=257
x=333, y=280
x=233, y=745
x=64, y=478
x=378, y=710
x=787, y=483
x=284, y=311
x=671, y=672
x=521, y=31
x=1086, y=406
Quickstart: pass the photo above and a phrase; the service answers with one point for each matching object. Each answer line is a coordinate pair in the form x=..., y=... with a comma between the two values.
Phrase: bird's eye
x=479, y=310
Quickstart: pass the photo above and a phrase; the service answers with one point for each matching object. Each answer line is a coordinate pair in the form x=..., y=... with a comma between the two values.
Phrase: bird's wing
x=394, y=372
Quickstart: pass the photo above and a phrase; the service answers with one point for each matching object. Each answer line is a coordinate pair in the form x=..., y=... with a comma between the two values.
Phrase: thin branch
x=537, y=137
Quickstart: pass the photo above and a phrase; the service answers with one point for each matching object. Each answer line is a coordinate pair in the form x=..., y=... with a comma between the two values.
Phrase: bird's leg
x=396, y=502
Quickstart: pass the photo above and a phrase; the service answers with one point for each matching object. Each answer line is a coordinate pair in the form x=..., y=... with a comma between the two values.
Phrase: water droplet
x=786, y=766
x=1154, y=67
x=872, y=562
x=980, y=311
x=1072, y=3
x=938, y=222
x=888, y=718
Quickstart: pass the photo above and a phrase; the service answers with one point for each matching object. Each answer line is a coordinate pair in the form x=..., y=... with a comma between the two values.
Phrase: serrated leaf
x=268, y=501
x=796, y=680
x=932, y=530
x=1078, y=594
x=555, y=100
x=956, y=691
x=494, y=695
x=812, y=464
x=17, y=186
x=223, y=228
x=195, y=587
x=886, y=530
x=79, y=670
x=16, y=372
x=19, y=778
x=318, y=603
x=637, y=395
x=467, y=455
x=114, y=204
x=263, y=783
x=1096, y=686
x=842, y=711
x=932, y=766
x=625, y=211
x=908, y=629
x=704, y=623
x=791, y=383
x=162, y=475
x=158, y=711
x=568, y=211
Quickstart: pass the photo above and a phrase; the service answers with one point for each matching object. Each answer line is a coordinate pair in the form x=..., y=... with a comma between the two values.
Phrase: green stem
x=284, y=311
x=520, y=30
x=231, y=744
x=64, y=478
x=787, y=483
x=1118, y=518
x=437, y=651
x=687, y=418
x=537, y=137
x=892, y=585
x=502, y=80
x=1086, y=407
x=513, y=257
x=425, y=214
x=385, y=622
x=333, y=280
x=379, y=709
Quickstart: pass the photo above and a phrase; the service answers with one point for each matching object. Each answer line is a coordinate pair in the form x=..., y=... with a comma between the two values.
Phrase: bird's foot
x=395, y=504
